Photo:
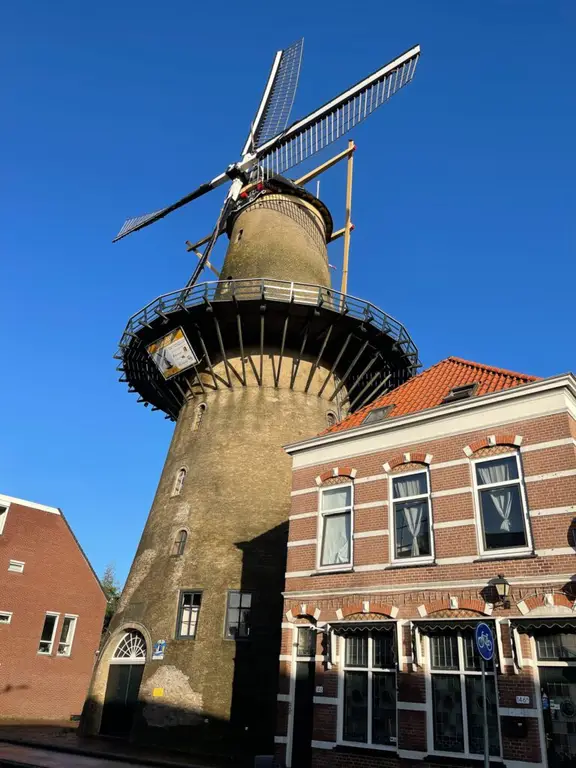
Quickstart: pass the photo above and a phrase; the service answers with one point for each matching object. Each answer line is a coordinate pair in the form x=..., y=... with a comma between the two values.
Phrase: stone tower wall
x=234, y=505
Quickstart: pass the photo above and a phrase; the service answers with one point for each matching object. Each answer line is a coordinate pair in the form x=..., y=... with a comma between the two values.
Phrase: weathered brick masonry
x=524, y=420
x=56, y=578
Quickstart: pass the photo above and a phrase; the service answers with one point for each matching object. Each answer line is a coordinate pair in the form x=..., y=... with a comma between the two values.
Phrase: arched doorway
x=124, y=678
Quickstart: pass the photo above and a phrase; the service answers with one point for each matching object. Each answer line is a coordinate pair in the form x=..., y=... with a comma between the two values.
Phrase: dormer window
x=461, y=393
x=377, y=414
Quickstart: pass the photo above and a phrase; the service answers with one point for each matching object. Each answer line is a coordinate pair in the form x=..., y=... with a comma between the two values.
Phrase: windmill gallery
x=271, y=607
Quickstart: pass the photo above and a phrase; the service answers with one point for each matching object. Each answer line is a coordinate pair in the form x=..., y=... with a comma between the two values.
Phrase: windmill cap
x=282, y=186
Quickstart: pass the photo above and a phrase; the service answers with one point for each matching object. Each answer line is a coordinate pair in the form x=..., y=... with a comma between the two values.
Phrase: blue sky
x=463, y=202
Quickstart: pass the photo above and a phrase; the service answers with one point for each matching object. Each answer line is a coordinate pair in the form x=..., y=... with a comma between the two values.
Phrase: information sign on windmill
x=263, y=356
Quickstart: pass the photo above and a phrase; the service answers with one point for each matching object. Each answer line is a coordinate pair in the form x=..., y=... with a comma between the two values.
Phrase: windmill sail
x=276, y=104
x=308, y=136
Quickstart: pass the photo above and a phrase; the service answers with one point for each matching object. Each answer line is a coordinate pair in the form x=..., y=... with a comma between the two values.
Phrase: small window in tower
x=179, y=482
x=239, y=235
x=188, y=613
x=238, y=613
x=461, y=393
x=377, y=414
x=198, y=416
x=331, y=418
x=179, y=543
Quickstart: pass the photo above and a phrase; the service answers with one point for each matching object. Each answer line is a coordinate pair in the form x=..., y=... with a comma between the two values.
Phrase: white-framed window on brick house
x=456, y=718
x=411, y=538
x=5, y=617
x=16, y=566
x=501, y=506
x=48, y=633
x=335, y=527
x=368, y=690
x=67, y=635
x=3, y=517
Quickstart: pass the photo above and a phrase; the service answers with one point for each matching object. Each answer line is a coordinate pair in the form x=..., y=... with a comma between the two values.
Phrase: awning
x=446, y=625
x=344, y=628
x=535, y=624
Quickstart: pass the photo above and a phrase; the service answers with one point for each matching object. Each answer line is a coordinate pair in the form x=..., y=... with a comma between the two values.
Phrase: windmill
x=245, y=364
x=271, y=148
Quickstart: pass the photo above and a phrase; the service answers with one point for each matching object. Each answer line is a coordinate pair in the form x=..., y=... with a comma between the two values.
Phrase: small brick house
x=51, y=613
x=449, y=501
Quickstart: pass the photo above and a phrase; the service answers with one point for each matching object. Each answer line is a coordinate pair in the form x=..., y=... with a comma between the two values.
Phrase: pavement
x=20, y=755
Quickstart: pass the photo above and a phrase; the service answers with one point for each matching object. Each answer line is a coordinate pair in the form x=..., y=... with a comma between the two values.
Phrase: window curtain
x=411, y=486
x=413, y=516
x=336, y=545
x=499, y=472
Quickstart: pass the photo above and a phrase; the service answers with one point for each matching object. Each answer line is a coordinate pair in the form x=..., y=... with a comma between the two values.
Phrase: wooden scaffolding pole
x=348, y=220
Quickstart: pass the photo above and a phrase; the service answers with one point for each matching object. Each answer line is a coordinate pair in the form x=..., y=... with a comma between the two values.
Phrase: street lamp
x=502, y=590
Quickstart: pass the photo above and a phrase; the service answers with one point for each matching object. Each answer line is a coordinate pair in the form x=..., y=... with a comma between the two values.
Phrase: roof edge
x=564, y=380
x=4, y=499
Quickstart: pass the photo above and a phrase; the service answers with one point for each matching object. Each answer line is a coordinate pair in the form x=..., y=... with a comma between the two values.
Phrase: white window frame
x=8, y=614
x=74, y=623
x=462, y=672
x=496, y=553
x=320, y=528
x=370, y=669
x=3, y=516
x=16, y=566
x=406, y=561
x=177, y=485
x=51, y=641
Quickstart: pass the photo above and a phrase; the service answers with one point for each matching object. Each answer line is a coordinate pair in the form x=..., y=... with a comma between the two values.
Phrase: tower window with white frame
x=501, y=504
x=457, y=704
x=369, y=695
x=335, y=540
x=179, y=482
x=411, y=535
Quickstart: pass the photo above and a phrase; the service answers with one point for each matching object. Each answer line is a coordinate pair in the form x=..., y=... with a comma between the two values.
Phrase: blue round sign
x=485, y=641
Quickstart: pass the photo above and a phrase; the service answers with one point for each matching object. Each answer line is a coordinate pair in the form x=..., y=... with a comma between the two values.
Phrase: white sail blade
x=327, y=124
x=276, y=104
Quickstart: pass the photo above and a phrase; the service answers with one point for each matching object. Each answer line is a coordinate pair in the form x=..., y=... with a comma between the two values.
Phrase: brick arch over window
x=490, y=441
x=548, y=600
x=344, y=472
x=407, y=458
x=303, y=611
x=452, y=605
x=365, y=609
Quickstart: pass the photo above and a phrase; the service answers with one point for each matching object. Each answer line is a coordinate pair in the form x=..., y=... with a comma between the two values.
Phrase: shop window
x=556, y=647
x=457, y=695
x=369, y=715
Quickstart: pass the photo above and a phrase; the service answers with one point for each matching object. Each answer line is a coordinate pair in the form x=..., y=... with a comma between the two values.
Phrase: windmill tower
x=263, y=356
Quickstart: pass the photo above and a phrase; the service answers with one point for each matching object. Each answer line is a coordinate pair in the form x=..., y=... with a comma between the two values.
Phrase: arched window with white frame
x=179, y=482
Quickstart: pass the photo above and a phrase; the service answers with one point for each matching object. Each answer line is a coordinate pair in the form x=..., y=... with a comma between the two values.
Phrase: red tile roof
x=430, y=387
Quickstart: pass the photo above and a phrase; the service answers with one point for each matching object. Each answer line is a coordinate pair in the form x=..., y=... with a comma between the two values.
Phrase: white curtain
x=502, y=499
x=336, y=543
x=413, y=517
x=336, y=498
x=414, y=485
x=498, y=472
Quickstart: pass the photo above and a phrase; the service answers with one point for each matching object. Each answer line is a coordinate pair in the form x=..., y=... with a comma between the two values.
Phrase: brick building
x=51, y=613
x=404, y=517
